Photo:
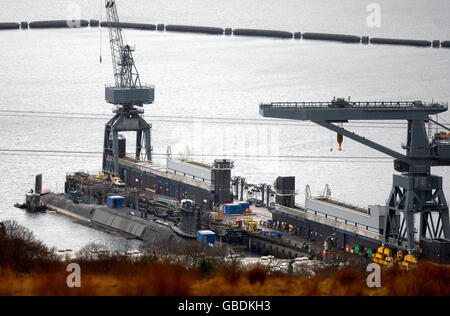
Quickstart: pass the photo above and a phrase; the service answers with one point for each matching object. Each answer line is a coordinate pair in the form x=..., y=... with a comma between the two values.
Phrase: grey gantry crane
x=415, y=190
x=128, y=95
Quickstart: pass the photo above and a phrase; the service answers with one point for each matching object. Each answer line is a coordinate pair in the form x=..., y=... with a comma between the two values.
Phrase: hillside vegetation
x=27, y=267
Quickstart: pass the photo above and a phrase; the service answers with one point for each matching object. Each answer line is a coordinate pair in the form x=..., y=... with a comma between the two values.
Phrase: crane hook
x=340, y=140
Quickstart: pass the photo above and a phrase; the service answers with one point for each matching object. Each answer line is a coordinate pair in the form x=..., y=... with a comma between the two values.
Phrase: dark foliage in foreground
x=27, y=267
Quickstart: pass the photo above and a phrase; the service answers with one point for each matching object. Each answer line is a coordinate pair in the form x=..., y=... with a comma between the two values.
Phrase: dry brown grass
x=160, y=279
x=28, y=268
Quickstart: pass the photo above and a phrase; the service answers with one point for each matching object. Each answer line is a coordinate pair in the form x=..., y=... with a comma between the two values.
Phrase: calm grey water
x=207, y=93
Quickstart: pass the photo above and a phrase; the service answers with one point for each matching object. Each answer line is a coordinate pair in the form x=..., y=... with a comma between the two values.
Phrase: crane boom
x=125, y=71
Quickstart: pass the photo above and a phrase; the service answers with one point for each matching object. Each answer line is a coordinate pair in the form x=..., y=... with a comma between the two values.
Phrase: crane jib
x=128, y=90
x=125, y=72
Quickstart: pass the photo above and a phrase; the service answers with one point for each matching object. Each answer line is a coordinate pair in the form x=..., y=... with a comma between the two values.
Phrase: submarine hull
x=124, y=220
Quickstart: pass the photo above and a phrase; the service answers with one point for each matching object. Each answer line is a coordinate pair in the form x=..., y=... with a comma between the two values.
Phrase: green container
x=357, y=249
x=369, y=253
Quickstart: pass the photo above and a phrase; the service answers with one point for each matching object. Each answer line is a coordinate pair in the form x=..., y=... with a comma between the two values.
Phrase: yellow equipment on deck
x=250, y=225
x=408, y=262
x=384, y=257
x=100, y=175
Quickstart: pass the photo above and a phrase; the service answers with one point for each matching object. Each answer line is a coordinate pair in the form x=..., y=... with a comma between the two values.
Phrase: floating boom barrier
x=9, y=26
x=332, y=37
x=394, y=41
x=344, y=38
x=263, y=33
x=129, y=25
x=94, y=23
x=195, y=29
x=59, y=24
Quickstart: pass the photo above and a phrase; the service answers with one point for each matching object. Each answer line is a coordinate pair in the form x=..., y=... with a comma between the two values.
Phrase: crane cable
x=100, y=29
x=241, y=156
x=188, y=119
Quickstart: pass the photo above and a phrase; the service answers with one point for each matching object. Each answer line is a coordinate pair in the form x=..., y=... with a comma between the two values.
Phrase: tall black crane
x=415, y=190
x=128, y=95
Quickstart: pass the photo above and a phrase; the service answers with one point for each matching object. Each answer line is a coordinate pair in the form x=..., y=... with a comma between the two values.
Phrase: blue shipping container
x=231, y=209
x=116, y=201
x=206, y=236
x=244, y=206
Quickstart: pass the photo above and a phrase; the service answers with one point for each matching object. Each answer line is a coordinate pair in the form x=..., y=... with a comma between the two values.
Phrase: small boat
x=32, y=203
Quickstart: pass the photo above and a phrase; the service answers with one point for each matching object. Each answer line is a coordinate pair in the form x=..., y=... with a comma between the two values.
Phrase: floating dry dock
x=180, y=179
x=321, y=218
